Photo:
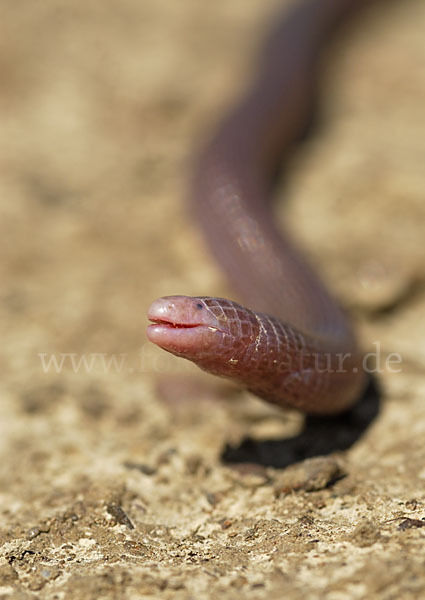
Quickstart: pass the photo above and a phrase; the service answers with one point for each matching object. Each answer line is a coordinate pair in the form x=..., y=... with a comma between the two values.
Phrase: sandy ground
x=117, y=475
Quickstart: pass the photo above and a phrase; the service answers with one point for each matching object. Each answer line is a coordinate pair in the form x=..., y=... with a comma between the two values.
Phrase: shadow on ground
x=320, y=436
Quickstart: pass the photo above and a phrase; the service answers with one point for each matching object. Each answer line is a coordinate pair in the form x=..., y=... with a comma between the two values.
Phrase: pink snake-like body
x=294, y=346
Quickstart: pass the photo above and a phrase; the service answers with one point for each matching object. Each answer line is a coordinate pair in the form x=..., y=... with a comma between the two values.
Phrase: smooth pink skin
x=292, y=358
x=183, y=325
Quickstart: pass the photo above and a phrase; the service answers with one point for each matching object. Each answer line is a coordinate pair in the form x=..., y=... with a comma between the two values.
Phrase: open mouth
x=178, y=325
x=172, y=325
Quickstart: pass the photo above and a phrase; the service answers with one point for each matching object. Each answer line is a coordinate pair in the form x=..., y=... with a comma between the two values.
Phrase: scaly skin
x=272, y=359
x=305, y=355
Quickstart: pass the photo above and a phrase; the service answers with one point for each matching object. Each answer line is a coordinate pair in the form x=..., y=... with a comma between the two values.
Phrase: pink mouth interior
x=174, y=325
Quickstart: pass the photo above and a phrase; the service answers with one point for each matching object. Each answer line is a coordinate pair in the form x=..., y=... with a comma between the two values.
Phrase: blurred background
x=102, y=106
